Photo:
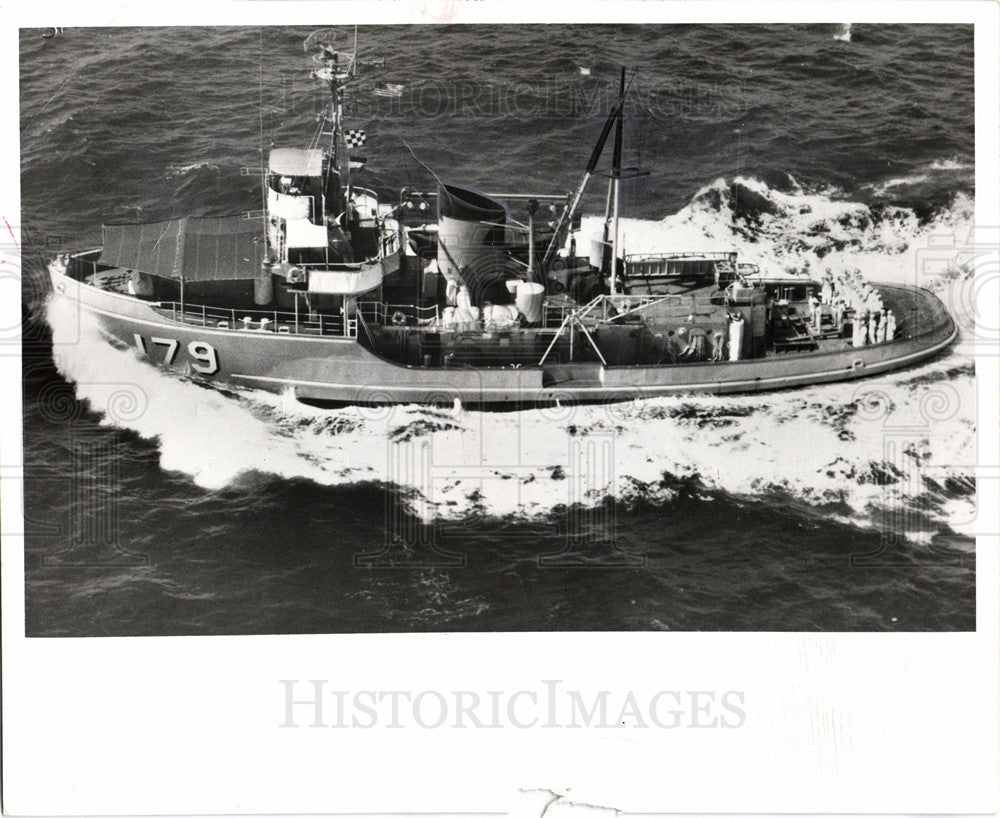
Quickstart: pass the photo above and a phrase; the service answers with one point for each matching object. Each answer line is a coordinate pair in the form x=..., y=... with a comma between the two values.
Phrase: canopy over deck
x=194, y=249
x=296, y=161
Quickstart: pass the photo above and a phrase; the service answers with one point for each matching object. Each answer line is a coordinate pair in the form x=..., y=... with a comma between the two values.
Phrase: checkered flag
x=355, y=138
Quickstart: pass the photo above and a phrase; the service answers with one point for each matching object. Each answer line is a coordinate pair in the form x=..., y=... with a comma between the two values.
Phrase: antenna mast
x=616, y=174
x=337, y=69
x=263, y=169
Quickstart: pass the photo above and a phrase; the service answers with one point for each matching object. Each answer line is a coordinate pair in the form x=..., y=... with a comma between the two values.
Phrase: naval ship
x=334, y=295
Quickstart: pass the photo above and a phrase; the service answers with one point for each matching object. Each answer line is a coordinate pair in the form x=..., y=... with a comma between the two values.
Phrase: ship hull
x=341, y=370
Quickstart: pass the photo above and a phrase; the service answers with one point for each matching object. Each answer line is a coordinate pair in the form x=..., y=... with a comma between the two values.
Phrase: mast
x=532, y=210
x=605, y=230
x=338, y=150
x=263, y=164
x=616, y=174
x=569, y=212
x=335, y=73
x=342, y=163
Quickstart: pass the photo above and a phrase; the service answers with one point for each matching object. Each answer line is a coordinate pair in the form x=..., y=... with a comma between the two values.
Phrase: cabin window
x=307, y=255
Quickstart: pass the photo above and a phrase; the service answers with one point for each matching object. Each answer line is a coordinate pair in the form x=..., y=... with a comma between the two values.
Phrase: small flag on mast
x=355, y=138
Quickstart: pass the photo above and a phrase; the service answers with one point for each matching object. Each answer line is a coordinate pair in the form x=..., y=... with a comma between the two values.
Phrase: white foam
x=201, y=432
x=843, y=33
x=805, y=230
x=932, y=170
x=181, y=170
x=950, y=164
x=902, y=181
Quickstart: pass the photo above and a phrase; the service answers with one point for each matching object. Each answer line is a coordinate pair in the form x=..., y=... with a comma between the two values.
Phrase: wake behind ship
x=455, y=294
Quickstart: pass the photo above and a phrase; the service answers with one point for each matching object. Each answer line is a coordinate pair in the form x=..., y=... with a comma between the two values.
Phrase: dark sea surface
x=158, y=505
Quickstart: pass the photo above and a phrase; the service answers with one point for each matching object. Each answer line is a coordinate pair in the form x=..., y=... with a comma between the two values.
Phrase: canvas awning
x=194, y=249
x=296, y=161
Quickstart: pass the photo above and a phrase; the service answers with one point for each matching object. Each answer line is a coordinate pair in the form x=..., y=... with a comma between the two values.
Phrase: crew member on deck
x=815, y=315
x=880, y=333
x=890, y=325
x=826, y=290
x=859, y=329
x=838, y=313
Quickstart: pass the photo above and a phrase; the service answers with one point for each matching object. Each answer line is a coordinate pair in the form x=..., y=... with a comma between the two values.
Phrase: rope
x=263, y=175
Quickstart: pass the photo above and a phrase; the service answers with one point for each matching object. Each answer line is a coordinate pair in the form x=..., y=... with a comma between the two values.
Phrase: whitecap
x=843, y=32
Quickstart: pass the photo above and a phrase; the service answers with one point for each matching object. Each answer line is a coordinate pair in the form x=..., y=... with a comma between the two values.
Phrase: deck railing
x=301, y=323
x=230, y=318
x=378, y=312
x=616, y=307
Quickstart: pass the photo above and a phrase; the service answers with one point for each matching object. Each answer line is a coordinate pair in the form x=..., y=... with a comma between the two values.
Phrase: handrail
x=340, y=266
x=367, y=192
x=258, y=320
x=602, y=308
x=378, y=312
x=364, y=324
x=624, y=305
x=711, y=255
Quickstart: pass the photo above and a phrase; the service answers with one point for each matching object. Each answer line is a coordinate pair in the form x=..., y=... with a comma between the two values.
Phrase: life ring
x=398, y=318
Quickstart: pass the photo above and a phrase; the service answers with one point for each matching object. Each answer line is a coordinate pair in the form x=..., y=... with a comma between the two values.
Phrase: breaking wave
x=863, y=452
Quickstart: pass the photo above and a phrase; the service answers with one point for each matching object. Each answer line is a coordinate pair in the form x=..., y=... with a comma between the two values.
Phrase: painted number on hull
x=207, y=360
x=205, y=355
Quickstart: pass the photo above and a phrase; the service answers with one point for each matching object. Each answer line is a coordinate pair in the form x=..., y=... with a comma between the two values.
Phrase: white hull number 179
x=204, y=357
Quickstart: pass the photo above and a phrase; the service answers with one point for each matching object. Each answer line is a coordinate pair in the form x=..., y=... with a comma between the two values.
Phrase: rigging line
x=353, y=67
x=55, y=93
x=420, y=162
x=318, y=133
x=263, y=177
x=326, y=115
x=623, y=95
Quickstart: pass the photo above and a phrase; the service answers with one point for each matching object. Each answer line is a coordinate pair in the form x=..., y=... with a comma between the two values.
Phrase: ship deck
x=336, y=362
x=382, y=325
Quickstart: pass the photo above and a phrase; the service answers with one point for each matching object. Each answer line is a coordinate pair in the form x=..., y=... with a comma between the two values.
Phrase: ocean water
x=159, y=505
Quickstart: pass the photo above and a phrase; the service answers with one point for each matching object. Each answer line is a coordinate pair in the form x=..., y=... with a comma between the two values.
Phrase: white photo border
x=190, y=725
